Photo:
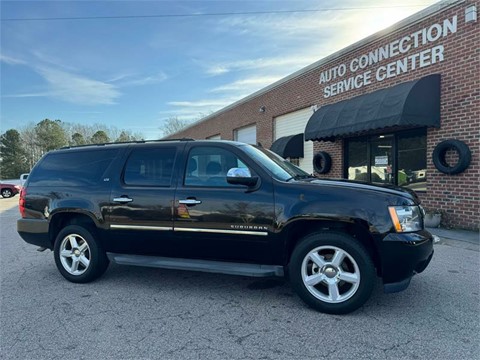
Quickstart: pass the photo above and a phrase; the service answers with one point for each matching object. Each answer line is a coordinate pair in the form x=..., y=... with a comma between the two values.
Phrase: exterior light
x=471, y=14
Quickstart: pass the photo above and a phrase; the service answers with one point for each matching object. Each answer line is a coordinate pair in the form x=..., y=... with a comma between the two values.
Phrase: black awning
x=410, y=104
x=289, y=146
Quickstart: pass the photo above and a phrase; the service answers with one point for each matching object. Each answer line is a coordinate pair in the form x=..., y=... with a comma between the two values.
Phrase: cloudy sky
x=134, y=64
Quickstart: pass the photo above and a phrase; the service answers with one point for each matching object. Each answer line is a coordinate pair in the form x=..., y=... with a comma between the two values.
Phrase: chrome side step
x=198, y=265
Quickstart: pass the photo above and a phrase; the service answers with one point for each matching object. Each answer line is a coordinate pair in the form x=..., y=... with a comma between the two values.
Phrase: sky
x=134, y=64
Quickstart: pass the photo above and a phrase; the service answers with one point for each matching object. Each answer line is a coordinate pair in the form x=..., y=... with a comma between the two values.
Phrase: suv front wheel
x=332, y=272
x=78, y=256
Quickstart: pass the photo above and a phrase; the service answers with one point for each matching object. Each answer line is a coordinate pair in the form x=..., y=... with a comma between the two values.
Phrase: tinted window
x=72, y=168
x=279, y=168
x=150, y=167
x=208, y=166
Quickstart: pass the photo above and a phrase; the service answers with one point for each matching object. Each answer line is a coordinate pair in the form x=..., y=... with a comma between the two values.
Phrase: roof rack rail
x=126, y=142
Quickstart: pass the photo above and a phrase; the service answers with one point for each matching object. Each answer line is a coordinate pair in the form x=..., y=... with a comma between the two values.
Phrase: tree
x=173, y=125
x=50, y=135
x=124, y=137
x=13, y=158
x=78, y=139
x=100, y=137
x=30, y=145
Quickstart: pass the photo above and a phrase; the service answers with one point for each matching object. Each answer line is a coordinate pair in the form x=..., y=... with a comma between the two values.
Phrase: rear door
x=217, y=220
x=140, y=215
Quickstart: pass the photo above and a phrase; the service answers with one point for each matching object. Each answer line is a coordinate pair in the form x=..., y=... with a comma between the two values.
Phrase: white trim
x=217, y=231
x=164, y=228
x=141, y=227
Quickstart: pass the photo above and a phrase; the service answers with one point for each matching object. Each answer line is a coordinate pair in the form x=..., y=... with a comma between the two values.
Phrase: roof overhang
x=289, y=146
x=410, y=104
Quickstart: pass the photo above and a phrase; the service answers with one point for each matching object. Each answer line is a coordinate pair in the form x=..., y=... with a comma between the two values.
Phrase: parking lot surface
x=144, y=313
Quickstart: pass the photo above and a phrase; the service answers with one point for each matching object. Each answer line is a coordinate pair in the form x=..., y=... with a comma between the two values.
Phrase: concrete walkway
x=460, y=238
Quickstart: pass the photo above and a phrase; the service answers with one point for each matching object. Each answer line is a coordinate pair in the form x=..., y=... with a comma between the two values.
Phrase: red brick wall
x=458, y=196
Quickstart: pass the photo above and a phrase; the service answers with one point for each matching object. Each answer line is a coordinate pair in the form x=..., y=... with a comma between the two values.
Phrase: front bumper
x=403, y=255
x=35, y=232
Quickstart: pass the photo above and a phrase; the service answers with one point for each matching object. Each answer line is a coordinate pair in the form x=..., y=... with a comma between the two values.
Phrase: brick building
x=378, y=109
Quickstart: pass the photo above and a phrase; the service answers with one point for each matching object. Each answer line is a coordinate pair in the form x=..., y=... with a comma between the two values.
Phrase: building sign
x=335, y=79
x=381, y=160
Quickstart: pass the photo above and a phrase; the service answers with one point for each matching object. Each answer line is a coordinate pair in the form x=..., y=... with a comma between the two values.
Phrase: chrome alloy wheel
x=330, y=274
x=75, y=254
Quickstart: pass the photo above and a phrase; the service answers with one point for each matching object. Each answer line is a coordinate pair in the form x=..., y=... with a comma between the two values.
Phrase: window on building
x=398, y=159
x=412, y=161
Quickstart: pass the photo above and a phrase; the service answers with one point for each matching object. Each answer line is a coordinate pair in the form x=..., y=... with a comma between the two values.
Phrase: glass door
x=381, y=159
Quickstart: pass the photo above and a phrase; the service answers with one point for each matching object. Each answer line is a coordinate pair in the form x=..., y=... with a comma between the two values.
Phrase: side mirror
x=241, y=176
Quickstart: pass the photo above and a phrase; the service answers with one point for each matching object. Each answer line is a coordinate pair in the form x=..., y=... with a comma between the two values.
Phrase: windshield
x=280, y=168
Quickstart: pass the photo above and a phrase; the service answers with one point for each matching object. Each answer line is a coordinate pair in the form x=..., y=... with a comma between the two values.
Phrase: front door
x=381, y=160
x=371, y=159
x=217, y=220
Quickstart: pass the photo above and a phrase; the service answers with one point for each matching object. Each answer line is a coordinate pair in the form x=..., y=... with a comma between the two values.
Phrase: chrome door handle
x=122, y=199
x=189, y=202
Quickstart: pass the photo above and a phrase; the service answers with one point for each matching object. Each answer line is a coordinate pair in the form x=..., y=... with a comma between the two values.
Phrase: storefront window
x=357, y=160
x=412, y=161
x=398, y=159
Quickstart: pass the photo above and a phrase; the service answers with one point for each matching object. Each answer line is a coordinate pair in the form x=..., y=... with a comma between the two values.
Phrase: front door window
x=381, y=160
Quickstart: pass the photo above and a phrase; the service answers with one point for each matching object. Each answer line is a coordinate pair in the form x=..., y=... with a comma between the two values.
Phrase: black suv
x=227, y=207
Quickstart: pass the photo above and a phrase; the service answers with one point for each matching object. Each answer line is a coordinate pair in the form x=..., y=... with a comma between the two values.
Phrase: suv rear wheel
x=78, y=256
x=332, y=272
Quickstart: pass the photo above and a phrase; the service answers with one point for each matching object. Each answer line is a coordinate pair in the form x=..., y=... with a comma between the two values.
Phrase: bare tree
x=173, y=124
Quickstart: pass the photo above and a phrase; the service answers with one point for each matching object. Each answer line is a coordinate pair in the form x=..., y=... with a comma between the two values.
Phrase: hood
x=390, y=189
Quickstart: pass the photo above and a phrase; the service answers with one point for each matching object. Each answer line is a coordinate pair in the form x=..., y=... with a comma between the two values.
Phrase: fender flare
x=464, y=156
x=322, y=162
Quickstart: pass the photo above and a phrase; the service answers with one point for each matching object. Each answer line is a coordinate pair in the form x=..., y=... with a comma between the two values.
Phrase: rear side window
x=150, y=167
x=72, y=168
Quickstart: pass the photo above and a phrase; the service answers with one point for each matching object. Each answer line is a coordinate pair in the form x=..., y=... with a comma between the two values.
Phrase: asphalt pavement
x=144, y=313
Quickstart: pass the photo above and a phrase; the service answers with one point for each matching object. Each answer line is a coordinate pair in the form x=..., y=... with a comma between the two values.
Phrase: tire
x=322, y=162
x=78, y=256
x=6, y=193
x=464, y=156
x=338, y=285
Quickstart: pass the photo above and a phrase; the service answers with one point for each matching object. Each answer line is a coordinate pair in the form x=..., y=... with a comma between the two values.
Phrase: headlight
x=406, y=218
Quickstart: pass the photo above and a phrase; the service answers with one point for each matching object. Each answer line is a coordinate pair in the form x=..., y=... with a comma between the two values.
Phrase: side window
x=208, y=167
x=75, y=167
x=150, y=167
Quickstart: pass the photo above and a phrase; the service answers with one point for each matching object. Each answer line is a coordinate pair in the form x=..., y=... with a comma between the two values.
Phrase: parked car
x=9, y=190
x=23, y=178
x=227, y=207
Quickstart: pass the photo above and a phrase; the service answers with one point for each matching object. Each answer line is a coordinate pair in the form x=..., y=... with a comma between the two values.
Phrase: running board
x=198, y=265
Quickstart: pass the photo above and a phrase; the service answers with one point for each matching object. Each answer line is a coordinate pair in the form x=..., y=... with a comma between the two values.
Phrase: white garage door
x=214, y=137
x=247, y=135
x=292, y=124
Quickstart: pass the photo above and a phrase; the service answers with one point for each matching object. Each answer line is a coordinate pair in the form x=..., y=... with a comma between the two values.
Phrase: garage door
x=292, y=124
x=247, y=135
